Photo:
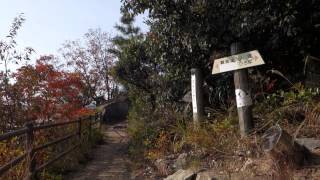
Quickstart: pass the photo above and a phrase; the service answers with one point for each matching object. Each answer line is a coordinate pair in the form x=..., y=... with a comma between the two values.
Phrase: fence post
x=100, y=121
x=95, y=118
x=31, y=161
x=90, y=125
x=243, y=94
x=79, y=129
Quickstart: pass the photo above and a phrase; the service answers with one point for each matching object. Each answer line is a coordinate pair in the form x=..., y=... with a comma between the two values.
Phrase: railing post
x=95, y=117
x=90, y=125
x=79, y=129
x=31, y=161
x=100, y=121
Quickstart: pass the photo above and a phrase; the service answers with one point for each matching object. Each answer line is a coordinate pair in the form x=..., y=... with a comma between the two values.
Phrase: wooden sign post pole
x=239, y=62
x=243, y=95
x=197, y=98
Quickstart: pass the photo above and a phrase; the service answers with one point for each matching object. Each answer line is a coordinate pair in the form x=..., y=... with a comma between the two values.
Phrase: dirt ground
x=110, y=160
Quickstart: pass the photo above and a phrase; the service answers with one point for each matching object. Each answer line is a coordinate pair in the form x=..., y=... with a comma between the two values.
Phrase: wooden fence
x=32, y=168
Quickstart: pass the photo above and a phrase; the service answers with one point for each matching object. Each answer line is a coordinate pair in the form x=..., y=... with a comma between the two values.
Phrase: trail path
x=109, y=159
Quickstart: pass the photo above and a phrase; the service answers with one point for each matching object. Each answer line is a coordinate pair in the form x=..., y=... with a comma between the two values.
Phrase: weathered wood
x=197, y=95
x=243, y=95
x=31, y=161
x=91, y=119
x=11, y=164
x=55, y=142
x=29, y=130
x=46, y=126
x=282, y=147
x=100, y=120
x=79, y=128
x=59, y=156
x=237, y=61
x=13, y=134
x=311, y=72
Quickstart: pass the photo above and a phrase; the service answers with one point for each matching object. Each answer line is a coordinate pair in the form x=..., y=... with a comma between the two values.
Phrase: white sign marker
x=193, y=94
x=243, y=98
x=239, y=61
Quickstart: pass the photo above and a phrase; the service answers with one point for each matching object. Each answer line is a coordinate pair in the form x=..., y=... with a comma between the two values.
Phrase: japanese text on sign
x=239, y=61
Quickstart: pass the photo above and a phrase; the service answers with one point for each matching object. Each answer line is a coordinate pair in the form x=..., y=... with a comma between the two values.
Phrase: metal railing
x=32, y=168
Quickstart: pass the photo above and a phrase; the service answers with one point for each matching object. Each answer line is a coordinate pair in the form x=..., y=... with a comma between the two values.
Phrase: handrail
x=12, y=163
x=54, y=142
x=29, y=129
x=13, y=134
x=40, y=168
x=46, y=126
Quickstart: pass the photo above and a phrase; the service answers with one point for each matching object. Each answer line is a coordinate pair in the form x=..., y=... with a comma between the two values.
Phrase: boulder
x=311, y=143
x=283, y=149
x=207, y=175
x=183, y=175
x=211, y=175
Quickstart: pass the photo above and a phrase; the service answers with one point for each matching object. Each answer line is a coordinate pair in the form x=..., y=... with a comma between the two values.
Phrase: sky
x=49, y=23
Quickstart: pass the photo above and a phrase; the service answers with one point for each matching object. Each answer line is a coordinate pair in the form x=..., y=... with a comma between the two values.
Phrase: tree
x=126, y=48
x=43, y=94
x=136, y=68
x=49, y=94
x=10, y=55
x=92, y=60
x=186, y=33
x=8, y=52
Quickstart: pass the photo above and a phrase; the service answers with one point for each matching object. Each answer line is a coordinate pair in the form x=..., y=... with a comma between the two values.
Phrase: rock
x=281, y=146
x=181, y=161
x=211, y=175
x=310, y=143
x=207, y=175
x=182, y=175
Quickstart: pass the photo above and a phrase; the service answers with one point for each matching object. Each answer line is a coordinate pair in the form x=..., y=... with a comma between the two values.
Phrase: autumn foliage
x=40, y=93
x=43, y=94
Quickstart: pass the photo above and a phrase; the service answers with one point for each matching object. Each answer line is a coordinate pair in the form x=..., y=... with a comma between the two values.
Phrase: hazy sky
x=50, y=22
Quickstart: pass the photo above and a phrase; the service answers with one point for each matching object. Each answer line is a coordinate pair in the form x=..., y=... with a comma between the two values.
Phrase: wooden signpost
x=238, y=61
x=196, y=94
x=239, y=64
x=311, y=72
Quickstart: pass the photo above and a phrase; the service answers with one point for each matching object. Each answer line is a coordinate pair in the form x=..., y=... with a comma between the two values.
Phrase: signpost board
x=239, y=64
x=239, y=61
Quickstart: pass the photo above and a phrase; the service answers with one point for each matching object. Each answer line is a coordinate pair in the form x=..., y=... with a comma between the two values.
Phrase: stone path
x=109, y=159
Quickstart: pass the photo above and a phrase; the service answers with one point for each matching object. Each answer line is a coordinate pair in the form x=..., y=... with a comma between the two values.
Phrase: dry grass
x=217, y=143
